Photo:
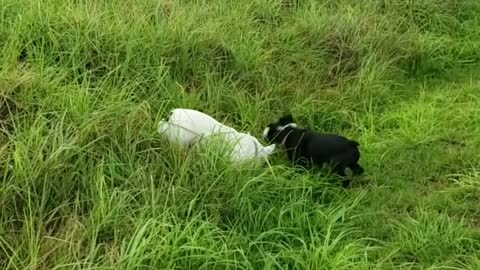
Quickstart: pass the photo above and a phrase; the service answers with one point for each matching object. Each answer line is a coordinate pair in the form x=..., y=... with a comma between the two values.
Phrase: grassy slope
x=86, y=182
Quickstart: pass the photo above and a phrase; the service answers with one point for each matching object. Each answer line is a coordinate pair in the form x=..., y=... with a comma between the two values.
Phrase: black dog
x=306, y=148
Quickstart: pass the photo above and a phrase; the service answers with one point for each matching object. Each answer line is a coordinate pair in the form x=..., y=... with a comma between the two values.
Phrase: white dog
x=186, y=127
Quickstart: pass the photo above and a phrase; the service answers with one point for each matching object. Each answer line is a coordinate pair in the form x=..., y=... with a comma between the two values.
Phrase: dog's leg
x=338, y=167
x=301, y=162
x=346, y=182
x=357, y=169
x=292, y=157
x=340, y=171
x=297, y=159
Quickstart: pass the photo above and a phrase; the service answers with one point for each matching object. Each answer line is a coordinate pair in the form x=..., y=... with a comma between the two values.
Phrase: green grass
x=88, y=183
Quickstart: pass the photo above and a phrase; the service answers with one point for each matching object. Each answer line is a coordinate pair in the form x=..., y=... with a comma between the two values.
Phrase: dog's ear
x=287, y=119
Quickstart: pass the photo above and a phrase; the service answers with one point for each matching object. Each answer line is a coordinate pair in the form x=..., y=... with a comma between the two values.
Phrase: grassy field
x=88, y=183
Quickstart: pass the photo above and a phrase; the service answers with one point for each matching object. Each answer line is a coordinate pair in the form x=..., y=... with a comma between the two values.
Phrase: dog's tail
x=354, y=143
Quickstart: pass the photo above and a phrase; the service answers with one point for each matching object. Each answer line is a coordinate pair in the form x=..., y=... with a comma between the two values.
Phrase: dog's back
x=186, y=126
x=198, y=122
x=325, y=145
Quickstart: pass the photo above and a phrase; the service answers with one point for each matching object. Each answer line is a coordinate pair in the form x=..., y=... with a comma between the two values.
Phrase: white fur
x=186, y=127
x=247, y=147
x=293, y=125
x=279, y=128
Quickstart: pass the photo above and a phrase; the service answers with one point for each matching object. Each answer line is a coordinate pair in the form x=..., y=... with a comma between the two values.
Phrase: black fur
x=306, y=148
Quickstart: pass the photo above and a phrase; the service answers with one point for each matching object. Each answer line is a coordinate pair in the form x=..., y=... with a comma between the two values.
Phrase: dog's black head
x=274, y=131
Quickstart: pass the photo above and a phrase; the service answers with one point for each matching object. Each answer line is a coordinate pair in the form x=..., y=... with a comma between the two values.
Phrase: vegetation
x=88, y=183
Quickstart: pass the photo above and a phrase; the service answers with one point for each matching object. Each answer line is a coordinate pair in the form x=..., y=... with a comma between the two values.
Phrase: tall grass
x=88, y=183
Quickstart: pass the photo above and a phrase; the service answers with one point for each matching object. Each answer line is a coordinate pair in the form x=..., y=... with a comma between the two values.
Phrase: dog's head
x=260, y=150
x=273, y=132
